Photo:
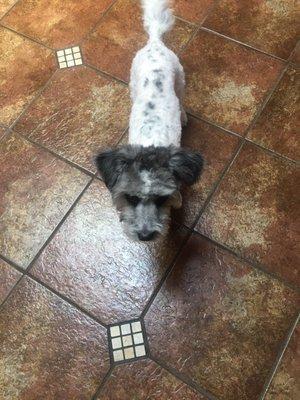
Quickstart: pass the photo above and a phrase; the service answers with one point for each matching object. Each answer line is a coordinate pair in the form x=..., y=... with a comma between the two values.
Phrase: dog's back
x=157, y=83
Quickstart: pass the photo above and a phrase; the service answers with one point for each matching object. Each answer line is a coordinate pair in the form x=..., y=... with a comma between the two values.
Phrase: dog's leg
x=180, y=89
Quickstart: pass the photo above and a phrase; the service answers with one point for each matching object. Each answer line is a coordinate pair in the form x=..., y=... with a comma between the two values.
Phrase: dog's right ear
x=111, y=163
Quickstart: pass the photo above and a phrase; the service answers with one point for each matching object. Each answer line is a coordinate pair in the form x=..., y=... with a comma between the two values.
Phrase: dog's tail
x=158, y=18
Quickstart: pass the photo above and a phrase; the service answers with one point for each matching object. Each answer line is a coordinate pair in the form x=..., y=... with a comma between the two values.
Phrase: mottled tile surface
x=278, y=126
x=255, y=212
x=204, y=138
x=79, y=113
x=226, y=82
x=48, y=349
x=28, y=66
x=112, y=46
x=269, y=25
x=8, y=278
x=56, y=23
x=194, y=11
x=91, y=261
x=36, y=190
x=5, y=5
x=145, y=380
x=219, y=321
x=286, y=383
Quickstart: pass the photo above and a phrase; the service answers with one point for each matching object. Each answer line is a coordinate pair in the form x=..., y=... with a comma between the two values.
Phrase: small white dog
x=145, y=176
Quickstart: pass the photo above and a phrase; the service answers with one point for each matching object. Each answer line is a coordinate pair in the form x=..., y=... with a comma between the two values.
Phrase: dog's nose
x=146, y=236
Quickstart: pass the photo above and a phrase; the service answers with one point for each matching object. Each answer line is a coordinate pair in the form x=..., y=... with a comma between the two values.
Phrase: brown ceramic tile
x=194, y=11
x=219, y=321
x=8, y=278
x=92, y=262
x=5, y=5
x=255, y=210
x=226, y=82
x=78, y=113
x=286, y=384
x=217, y=147
x=145, y=380
x=36, y=190
x=112, y=46
x=28, y=66
x=278, y=126
x=48, y=349
x=55, y=23
x=272, y=26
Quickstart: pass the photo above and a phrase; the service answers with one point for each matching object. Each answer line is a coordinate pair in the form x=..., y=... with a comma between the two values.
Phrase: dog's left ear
x=110, y=164
x=186, y=165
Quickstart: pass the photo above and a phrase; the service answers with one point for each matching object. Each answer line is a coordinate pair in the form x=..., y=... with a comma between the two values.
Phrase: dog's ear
x=111, y=163
x=186, y=165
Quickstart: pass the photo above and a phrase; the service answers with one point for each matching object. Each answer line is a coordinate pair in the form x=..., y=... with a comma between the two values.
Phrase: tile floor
x=211, y=311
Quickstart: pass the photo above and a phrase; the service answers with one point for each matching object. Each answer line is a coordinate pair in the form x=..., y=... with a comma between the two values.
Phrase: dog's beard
x=132, y=222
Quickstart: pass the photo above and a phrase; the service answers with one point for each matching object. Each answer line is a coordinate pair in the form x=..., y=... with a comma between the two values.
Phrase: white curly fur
x=157, y=84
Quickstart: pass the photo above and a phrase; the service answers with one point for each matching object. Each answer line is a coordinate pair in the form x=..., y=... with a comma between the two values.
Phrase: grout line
x=265, y=100
x=217, y=183
x=193, y=23
x=56, y=155
x=32, y=39
x=166, y=274
x=54, y=292
x=9, y=10
x=26, y=108
x=58, y=226
x=250, y=262
x=66, y=299
x=105, y=74
x=203, y=28
x=210, y=11
x=278, y=359
x=214, y=124
x=63, y=297
x=102, y=384
x=184, y=379
x=242, y=142
x=103, y=15
x=209, y=197
x=271, y=152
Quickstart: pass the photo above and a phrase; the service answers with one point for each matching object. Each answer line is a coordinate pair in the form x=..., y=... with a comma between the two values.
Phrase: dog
x=145, y=176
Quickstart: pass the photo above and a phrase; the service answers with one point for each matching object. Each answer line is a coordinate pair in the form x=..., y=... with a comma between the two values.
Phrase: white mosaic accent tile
x=127, y=341
x=69, y=57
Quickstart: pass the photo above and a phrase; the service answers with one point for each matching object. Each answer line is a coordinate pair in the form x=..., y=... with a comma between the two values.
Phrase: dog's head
x=145, y=184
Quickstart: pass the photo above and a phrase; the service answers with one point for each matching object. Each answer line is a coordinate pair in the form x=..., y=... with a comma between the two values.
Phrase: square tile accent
x=70, y=57
x=76, y=264
x=127, y=341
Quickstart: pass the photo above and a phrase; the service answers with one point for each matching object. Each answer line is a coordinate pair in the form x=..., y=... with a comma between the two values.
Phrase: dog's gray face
x=145, y=184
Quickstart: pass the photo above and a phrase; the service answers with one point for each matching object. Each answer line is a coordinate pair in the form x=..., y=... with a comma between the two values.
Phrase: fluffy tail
x=158, y=17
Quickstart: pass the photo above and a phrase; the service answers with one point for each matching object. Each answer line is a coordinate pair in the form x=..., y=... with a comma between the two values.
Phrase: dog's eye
x=133, y=200
x=159, y=201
